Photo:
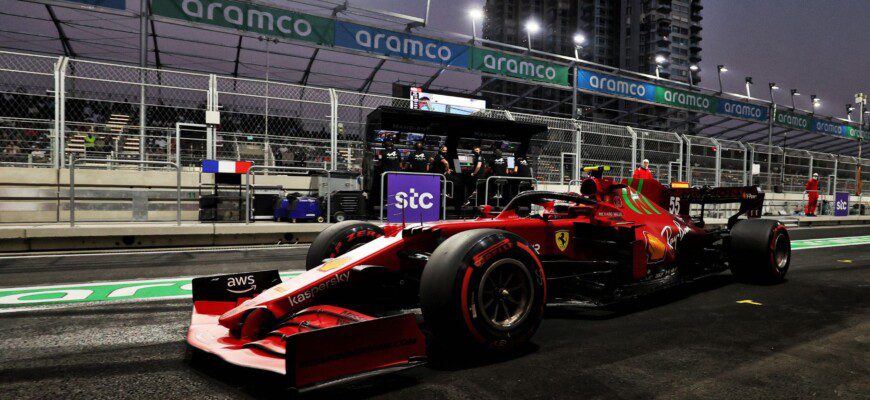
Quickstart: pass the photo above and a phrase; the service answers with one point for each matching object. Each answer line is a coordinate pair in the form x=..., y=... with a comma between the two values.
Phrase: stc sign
x=413, y=198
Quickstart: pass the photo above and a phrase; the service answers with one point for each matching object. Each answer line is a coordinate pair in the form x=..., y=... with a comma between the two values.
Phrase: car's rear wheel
x=483, y=289
x=760, y=251
x=339, y=239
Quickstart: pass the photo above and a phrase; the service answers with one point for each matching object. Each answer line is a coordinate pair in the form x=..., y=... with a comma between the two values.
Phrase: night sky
x=816, y=47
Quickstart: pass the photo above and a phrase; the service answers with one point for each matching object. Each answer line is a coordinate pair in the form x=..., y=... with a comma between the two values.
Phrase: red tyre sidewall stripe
x=540, y=268
x=466, y=315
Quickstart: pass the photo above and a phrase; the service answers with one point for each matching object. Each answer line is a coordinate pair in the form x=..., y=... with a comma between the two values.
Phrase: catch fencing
x=55, y=107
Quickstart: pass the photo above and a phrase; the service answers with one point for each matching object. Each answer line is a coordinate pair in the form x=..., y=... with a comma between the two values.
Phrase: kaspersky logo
x=312, y=292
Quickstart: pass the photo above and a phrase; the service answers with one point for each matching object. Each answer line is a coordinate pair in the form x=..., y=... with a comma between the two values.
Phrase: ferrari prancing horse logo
x=562, y=238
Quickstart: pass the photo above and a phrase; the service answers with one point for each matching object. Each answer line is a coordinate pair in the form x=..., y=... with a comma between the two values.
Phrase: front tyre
x=339, y=239
x=760, y=251
x=483, y=289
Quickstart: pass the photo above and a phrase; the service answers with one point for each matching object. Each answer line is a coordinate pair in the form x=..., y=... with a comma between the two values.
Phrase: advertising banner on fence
x=794, y=121
x=610, y=84
x=743, y=110
x=496, y=62
x=249, y=17
x=413, y=198
x=400, y=45
x=114, y=4
x=686, y=99
x=841, y=204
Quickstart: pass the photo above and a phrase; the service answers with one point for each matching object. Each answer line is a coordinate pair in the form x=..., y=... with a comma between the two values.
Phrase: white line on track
x=56, y=306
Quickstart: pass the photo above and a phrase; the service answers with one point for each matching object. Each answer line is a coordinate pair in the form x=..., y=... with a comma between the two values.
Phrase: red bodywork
x=242, y=331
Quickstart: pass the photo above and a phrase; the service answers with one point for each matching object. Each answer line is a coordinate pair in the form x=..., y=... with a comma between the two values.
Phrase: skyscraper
x=627, y=34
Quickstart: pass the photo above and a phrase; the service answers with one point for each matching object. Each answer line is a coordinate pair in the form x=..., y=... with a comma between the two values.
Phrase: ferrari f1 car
x=370, y=292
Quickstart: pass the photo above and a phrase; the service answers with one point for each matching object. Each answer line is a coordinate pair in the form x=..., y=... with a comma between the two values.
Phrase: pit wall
x=41, y=195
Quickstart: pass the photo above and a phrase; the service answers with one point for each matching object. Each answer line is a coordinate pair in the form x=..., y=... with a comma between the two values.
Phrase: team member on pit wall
x=643, y=171
x=498, y=164
x=389, y=159
x=812, y=189
x=418, y=160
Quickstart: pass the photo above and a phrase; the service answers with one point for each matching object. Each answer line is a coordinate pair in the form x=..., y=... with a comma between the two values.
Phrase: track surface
x=809, y=337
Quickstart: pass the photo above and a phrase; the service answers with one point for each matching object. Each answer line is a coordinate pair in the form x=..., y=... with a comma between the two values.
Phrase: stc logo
x=414, y=200
x=842, y=205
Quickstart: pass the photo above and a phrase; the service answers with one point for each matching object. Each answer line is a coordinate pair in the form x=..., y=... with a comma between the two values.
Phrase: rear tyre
x=760, y=251
x=483, y=289
x=339, y=239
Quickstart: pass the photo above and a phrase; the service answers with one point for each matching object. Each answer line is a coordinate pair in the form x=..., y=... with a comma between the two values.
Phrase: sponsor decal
x=413, y=198
x=333, y=264
x=499, y=63
x=241, y=284
x=562, y=240
x=400, y=45
x=309, y=294
x=249, y=17
x=749, y=196
x=742, y=110
x=673, y=235
x=610, y=84
x=655, y=248
x=610, y=214
x=491, y=252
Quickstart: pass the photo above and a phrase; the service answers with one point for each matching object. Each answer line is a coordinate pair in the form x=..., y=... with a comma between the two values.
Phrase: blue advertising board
x=743, y=110
x=610, y=84
x=413, y=198
x=841, y=204
x=115, y=4
x=400, y=45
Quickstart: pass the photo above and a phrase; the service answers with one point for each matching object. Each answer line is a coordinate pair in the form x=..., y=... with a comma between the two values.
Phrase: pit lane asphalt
x=809, y=337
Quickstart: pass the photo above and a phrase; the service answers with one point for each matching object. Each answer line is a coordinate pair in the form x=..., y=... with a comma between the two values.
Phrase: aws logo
x=241, y=284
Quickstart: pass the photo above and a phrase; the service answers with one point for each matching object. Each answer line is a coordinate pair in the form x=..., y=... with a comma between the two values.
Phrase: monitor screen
x=421, y=100
x=510, y=162
x=386, y=136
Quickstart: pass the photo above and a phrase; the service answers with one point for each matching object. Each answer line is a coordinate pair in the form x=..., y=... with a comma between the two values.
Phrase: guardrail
x=443, y=180
x=292, y=169
x=72, y=183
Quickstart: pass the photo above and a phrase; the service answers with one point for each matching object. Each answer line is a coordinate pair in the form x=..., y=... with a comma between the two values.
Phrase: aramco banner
x=496, y=62
x=250, y=17
x=400, y=45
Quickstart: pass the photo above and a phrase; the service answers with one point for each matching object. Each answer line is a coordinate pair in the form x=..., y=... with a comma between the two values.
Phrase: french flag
x=227, y=167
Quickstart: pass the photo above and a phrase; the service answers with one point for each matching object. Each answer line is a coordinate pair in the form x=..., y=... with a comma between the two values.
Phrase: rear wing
x=679, y=200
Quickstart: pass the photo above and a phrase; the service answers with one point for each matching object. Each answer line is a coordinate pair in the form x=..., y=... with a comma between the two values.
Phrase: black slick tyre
x=760, y=251
x=339, y=239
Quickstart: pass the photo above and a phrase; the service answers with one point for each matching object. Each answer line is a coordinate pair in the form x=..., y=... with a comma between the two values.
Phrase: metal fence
x=53, y=107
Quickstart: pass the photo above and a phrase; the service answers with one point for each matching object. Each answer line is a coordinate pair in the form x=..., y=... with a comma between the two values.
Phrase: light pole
x=771, y=87
x=719, y=70
x=692, y=68
x=475, y=14
x=531, y=28
x=660, y=59
x=749, y=82
x=861, y=101
x=794, y=93
x=579, y=39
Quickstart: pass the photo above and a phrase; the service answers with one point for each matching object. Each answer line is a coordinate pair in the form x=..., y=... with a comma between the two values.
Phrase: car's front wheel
x=339, y=239
x=483, y=289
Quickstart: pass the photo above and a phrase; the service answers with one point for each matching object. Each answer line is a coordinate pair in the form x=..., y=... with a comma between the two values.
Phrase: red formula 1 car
x=478, y=284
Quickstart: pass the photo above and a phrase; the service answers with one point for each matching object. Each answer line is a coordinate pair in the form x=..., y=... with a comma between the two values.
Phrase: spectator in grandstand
x=643, y=171
x=90, y=141
x=812, y=190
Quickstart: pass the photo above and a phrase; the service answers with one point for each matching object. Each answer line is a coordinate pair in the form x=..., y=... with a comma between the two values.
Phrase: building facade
x=627, y=34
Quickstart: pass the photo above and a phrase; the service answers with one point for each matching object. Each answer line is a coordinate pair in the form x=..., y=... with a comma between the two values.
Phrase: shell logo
x=655, y=248
x=333, y=264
